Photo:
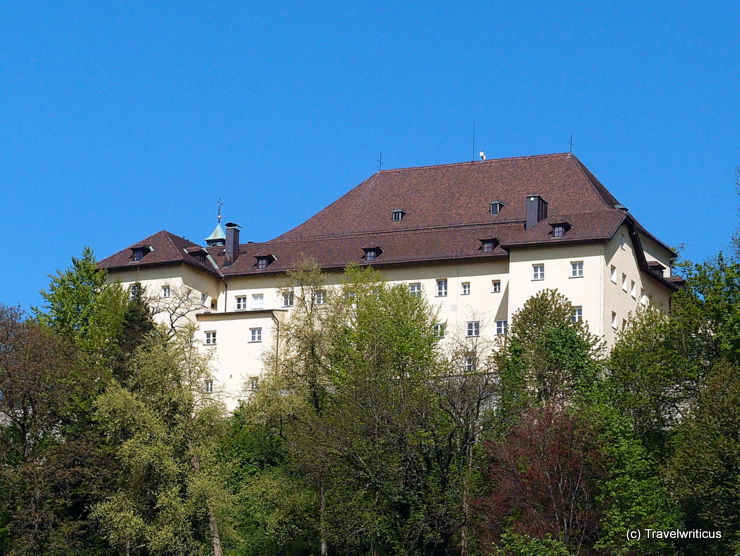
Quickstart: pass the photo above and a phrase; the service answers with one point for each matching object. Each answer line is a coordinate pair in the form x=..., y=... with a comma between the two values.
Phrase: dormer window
x=397, y=215
x=263, y=261
x=138, y=252
x=495, y=207
x=372, y=253
x=488, y=245
x=559, y=228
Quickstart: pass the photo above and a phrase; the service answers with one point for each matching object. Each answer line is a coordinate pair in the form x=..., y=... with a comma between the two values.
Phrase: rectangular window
x=502, y=327
x=577, y=314
x=487, y=246
x=470, y=363
x=165, y=291
x=133, y=291
x=204, y=299
x=208, y=386
x=495, y=286
x=615, y=322
x=415, y=289
x=253, y=383
x=262, y=263
x=473, y=329
x=319, y=297
x=643, y=298
x=370, y=254
x=466, y=288
x=258, y=301
x=241, y=303
x=255, y=334
x=440, y=329
x=622, y=242
x=633, y=289
x=576, y=269
x=614, y=274
x=442, y=287
x=624, y=282
x=538, y=272
x=288, y=299
x=211, y=338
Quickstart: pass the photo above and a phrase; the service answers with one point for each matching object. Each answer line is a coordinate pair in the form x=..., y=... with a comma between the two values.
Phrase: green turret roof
x=217, y=237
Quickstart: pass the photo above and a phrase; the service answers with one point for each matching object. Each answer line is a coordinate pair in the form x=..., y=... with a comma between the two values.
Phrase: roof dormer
x=139, y=251
x=372, y=253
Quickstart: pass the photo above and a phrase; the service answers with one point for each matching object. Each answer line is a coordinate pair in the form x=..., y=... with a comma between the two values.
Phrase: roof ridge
x=595, y=184
x=427, y=166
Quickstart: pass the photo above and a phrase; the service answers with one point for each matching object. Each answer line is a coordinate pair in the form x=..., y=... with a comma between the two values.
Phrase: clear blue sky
x=120, y=119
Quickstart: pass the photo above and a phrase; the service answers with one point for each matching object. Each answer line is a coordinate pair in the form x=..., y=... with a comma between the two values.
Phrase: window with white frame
x=439, y=329
x=502, y=327
x=165, y=291
x=255, y=334
x=134, y=290
x=577, y=314
x=473, y=329
x=288, y=299
x=319, y=297
x=208, y=387
x=415, y=289
x=466, y=288
x=210, y=337
x=615, y=321
x=241, y=302
x=442, y=287
x=258, y=301
x=204, y=299
x=495, y=286
x=633, y=289
x=624, y=282
x=576, y=269
x=470, y=362
x=538, y=271
x=253, y=383
x=614, y=274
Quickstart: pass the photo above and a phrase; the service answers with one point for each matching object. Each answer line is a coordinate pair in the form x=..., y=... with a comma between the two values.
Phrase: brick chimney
x=536, y=210
x=232, y=243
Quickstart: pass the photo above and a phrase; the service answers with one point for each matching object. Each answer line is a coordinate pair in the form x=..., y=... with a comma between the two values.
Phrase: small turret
x=218, y=236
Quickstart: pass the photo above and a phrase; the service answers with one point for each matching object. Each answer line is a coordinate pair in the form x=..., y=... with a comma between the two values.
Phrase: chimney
x=232, y=243
x=536, y=210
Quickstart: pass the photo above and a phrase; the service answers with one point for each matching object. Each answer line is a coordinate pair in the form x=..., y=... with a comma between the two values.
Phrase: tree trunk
x=322, y=523
x=215, y=537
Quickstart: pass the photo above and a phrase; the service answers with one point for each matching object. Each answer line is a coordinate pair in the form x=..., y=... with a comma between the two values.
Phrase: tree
x=169, y=496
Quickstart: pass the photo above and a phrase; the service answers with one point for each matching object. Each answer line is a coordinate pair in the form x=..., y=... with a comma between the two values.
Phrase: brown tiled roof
x=446, y=217
x=166, y=248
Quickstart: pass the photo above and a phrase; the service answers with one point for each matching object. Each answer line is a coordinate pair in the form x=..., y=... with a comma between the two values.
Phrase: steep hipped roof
x=460, y=194
x=160, y=248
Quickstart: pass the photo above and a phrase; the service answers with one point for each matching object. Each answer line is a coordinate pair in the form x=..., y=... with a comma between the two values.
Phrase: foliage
x=515, y=544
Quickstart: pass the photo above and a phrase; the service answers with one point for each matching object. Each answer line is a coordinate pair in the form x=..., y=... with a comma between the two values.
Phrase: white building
x=476, y=238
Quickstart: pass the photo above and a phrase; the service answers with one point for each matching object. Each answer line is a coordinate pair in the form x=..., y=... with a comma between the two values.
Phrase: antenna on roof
x=380, y=161
x=482, y=155
x=570, y=144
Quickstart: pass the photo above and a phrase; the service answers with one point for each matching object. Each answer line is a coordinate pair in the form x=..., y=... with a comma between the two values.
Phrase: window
x=262, y=263
x=615, y=322
x=253, y=383
x=624, y=324
x=624, y=282
x=538, y=272
x=614, y=274
x=470, y=362
x=371, y=254
x=622, y=242
x=558, y=230
x=255, y=334
x=466, y=288
x=288, y=299
x=138, y=254
x=204, y=299
x=397, y=215
x=502, y=327
x=208, y=387
x=319, y=297
x=442, y=287
x=495, y=207
x=165, y=291
x=211, y=338
x=633, y=289
x=134, y=290
x=577, y=314
x=241, y=303
x=415, y=289
x=495, y=286
x=488, y=245
x=258, y=301
x=473, y=329
x=439, y=329
x=576, y=269
x=643, y=298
